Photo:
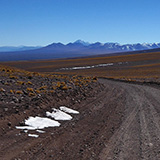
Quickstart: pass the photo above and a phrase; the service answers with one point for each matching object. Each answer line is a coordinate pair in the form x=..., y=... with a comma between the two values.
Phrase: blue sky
x=41, y=22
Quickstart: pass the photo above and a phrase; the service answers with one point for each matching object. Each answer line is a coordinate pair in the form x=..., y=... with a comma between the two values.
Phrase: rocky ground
x=117, y=120
x=21, y=89
x=24, y=94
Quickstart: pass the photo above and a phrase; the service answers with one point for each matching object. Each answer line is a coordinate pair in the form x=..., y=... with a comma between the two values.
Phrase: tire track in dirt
x=138, y=136
x=152, y=121
x=114, y=145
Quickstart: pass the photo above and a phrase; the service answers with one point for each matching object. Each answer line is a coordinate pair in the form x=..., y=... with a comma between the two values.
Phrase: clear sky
x=41, y=22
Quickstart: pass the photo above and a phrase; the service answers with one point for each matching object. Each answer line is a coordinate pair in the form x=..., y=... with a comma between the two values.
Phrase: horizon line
x=77, y=42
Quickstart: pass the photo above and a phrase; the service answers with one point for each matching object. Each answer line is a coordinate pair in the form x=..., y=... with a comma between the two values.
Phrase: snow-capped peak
x=82, y=42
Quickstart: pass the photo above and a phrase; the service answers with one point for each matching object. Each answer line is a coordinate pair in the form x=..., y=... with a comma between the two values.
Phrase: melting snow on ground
x=58, y=115
x=33, y=135
x=68, y=110
x=40, y=123
x=37, y=123
x=25, y=127
x=88, y=67
x=40, y=131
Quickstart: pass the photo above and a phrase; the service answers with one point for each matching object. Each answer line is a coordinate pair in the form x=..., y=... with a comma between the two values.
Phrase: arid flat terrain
x=142, y=66
x=117, y=120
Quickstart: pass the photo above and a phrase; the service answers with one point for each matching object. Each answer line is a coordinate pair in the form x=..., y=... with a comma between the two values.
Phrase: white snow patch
x=40, y=123
x=103, y=65
x=88, y=67
x=127, y=47
x=25, y=131
x=68, y=110
x=58, y=115
x=40, y=131
x=33, y=135
x=25, y=127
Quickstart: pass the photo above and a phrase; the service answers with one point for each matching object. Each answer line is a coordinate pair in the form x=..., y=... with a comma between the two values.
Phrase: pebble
x=9, y=123
x=5, y=109
x=15, y=99
x=150, y=144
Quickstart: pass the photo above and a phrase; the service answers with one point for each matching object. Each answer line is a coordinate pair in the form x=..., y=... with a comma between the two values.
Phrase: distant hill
x=77, y=49
x=19, y=48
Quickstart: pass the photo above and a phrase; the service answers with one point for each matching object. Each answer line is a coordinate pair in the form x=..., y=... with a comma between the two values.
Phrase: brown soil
x=136, y=67
x=120, y=121
x=117, y=120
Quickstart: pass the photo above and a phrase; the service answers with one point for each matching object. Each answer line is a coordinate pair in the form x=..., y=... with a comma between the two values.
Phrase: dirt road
x=121, y=123
x=138, y=137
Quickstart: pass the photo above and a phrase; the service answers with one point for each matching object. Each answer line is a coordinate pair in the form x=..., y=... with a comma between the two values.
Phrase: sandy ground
x=121, y=122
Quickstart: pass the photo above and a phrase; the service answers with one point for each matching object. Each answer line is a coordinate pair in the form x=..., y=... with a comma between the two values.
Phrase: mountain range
x=78, y=48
